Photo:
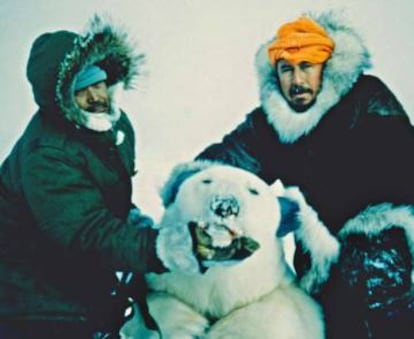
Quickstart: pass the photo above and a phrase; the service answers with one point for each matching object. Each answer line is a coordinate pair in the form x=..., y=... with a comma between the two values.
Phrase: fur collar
x=349, y=59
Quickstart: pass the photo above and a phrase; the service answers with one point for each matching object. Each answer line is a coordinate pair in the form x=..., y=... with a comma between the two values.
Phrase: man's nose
x=298, y=76
x=92, y=95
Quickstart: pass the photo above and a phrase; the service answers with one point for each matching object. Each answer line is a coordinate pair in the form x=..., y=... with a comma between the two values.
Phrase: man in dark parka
x=67, y=223
x=346, y=141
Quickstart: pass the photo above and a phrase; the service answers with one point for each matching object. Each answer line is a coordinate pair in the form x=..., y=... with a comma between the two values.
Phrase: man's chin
x=300, y=106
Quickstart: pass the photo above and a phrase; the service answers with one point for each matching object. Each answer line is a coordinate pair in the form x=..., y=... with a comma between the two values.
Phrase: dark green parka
x=65, y=190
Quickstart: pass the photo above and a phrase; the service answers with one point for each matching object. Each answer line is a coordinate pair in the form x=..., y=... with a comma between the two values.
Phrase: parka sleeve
x=243, y=147
x=69, y=208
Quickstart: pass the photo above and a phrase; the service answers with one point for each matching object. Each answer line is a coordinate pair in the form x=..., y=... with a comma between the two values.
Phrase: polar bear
x=245, y=288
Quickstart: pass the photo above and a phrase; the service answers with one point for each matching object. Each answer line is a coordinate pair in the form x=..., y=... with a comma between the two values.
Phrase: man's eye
x=98, y=85
x=79, y=94
x=286, y=69
x=305, y=65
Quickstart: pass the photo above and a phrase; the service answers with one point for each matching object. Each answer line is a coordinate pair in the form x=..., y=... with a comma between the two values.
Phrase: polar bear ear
x=178, y=175
x=289, y=219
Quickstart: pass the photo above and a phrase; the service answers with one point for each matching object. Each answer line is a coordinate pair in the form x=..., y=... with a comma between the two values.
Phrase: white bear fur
x=255, y=298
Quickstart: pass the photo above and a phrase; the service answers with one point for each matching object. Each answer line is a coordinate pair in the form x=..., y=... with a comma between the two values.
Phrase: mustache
x=298, y=89
x=98, y=106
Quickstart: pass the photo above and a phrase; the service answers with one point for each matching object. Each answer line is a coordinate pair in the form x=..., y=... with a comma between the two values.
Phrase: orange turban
x=301, y=40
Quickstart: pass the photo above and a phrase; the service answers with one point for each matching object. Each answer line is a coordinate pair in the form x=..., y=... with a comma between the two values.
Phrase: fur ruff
x=111, y=49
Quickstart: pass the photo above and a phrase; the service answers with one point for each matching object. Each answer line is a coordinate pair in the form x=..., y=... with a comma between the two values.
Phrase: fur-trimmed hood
x=348, y=61
x=56, y=58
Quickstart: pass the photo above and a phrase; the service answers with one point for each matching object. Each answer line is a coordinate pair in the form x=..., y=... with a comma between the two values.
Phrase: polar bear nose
x=224, y=206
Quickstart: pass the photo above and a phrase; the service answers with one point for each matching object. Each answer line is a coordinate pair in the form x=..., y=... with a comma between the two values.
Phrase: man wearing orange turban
x=344, y=138
x=298, y=53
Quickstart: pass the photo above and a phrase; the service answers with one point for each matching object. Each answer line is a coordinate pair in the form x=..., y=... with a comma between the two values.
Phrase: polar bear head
x=230, y=212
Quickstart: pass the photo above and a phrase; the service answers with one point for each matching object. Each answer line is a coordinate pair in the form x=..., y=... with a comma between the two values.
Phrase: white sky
x=200, y=61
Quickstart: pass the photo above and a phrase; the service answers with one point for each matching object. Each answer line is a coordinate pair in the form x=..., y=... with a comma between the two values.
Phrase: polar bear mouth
x=217, y=242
